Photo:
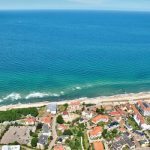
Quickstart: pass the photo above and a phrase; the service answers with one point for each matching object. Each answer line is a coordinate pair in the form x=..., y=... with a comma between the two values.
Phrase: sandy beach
x=105, y=100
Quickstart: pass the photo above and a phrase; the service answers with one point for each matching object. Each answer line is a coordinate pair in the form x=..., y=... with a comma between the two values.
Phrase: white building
x=11, y=147
x=52, y=108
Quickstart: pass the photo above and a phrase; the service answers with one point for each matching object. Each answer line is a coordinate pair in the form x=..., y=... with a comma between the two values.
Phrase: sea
x=55, y=55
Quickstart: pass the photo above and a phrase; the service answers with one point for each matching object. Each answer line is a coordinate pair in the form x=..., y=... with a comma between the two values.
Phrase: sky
x=131, y=5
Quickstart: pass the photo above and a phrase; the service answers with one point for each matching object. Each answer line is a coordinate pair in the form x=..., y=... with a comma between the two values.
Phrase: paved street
x=54, y=133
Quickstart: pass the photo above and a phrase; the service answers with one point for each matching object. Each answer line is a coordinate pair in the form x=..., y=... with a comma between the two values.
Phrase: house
x=43, y=140
x=46, y=120
x=95, y=132
x=10, y=147
x=116, y=113
x=59, y=147
x=62, y=127
x=139, y=119
x=123, y=142
x=46, y=130
x=143, y=107
x=30, y=121
x=100, y=118
x=74, y=106
x=144, y=143
x=98, y=145
x=65, y=115
x=113, y=125
x=52, y=108
x=87, y=114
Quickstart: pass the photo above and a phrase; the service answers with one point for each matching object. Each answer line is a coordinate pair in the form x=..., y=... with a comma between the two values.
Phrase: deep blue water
x=56, y=55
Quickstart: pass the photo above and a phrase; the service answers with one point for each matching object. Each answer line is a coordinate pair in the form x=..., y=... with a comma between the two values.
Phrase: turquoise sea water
x=56, y=55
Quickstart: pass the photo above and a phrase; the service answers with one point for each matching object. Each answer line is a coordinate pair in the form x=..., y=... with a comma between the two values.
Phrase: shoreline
x=105, y=100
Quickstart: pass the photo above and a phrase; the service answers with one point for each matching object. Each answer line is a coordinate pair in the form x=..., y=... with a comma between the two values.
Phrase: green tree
x=60, y=119
x=34, y=142
x=67, y=132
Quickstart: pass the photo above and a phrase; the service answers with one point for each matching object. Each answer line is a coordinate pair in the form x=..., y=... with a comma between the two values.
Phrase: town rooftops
x=145, y=106
x=96, y=130
x=59, y=147
x=98, y=145
x=99, y=118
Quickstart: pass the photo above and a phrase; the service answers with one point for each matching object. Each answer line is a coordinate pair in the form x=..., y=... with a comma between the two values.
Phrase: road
x=54, y=133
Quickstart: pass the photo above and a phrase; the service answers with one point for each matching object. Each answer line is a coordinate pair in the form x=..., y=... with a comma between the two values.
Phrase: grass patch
x=133, y=124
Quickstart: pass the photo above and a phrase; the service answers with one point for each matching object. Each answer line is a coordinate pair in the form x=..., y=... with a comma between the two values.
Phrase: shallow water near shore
x=57, y=55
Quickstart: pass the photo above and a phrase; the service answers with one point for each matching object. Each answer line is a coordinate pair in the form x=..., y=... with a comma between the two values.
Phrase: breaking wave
x=36, y=95
x=12, y=96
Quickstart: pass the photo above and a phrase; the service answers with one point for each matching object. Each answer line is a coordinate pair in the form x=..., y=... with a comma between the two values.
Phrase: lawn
x=133, y=124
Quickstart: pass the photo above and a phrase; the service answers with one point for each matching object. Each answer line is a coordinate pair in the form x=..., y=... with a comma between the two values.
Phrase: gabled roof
x=59, y=147
x=96, y=130
x=100, y=117
x=98, y=145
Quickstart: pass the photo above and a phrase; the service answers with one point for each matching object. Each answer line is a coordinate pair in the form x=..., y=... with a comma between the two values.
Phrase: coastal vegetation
x=16, y=114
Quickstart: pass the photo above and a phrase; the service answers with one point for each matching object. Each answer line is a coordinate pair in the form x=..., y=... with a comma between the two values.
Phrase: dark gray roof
x=45, y=128
x=43, y=139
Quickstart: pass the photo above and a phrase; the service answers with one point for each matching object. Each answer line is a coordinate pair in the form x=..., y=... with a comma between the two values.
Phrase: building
x=123, y=142
x=46, y=120
x=87, y=114
x=74, y=106
x=95, y=132
x=62, y=127
x=113, y=125
x=52, y=108
x=10, y=147
x=143, y=107
x=100, y=118
x=43, y=140
x=30, y=121
x=46, y=130
x=65, y=115
x=139, y=119
x=59, y=147
x=98, y=145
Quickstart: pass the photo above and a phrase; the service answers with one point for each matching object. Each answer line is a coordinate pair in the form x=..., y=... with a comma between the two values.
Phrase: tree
x=60, y=119
x=34, y=142
x=100, y=110
x=80, y=133
x=104, y=133
x=67, y=132
x=39, y=126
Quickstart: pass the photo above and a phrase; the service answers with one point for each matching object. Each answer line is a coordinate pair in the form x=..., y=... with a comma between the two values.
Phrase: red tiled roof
x=58, y=147
x=142, y=106
x=47, y=119
x=98, y=145
x=30, y=120
x=96, y=131
x=139, y=116
x=65, y=113
x=99, y=117
x=62, y=126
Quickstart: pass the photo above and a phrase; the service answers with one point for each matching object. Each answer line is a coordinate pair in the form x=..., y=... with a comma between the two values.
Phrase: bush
x=16, y=114
x=60, y=119
x=67, y=132
x=34, y=142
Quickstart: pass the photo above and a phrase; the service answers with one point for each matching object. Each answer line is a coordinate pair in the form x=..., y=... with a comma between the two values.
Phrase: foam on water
x=13, y=96
x=36, y=95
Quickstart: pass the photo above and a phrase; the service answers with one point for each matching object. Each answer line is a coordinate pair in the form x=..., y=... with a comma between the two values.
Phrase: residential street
x=54, y=133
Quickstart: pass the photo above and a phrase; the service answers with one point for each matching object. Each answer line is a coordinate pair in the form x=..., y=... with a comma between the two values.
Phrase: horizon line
x=70, y=9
